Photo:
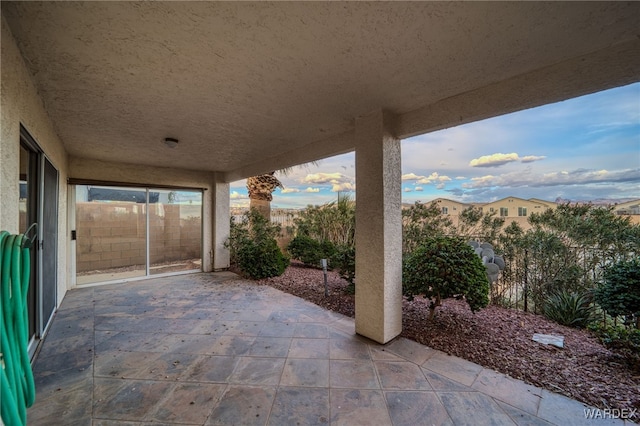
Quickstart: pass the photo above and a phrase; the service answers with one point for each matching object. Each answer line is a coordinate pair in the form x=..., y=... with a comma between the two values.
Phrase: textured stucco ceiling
x=239, y=81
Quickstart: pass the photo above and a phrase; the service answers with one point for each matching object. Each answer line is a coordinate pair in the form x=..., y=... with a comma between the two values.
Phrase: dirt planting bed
x=497, y=338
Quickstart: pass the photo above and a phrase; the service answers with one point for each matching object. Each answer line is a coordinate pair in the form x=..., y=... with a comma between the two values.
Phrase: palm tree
x=260, y=189
x=262, y=186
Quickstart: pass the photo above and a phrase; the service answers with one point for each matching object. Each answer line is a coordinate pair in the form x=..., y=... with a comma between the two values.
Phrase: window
x=491, y=209
x=522, y=211
x=504, y=211
x=445, y=210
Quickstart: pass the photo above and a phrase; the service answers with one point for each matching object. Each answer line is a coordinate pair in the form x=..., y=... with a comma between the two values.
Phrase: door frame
x=72, y=221
x=36, y=202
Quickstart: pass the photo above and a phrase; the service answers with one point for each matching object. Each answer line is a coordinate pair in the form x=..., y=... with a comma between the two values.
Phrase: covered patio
x=91, y=91
x=213, y=348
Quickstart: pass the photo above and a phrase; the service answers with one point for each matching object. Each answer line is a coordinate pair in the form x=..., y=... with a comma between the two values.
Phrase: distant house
x=450, y=207
x=549, y=204
x=517, y=207
x=628, y=208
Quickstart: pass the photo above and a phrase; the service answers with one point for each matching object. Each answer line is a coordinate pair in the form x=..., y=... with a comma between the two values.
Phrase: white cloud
x=575, y=177
x=433, y=177
x=412, y=176
x=289, y=190
x=407, y=189
x=332, y=178
x=419, y=188
x=480, y=182
x=235, y=195
x=500, y=159
x=494, y=160
x=531, y=158
x=460, y=178
x=343, y=187
x=338, y=181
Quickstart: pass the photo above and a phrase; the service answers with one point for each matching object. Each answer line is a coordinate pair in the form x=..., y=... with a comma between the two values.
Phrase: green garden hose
x=17, y=388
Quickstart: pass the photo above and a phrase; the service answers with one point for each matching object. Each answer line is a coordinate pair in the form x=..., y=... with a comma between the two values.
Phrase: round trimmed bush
x=444, y=267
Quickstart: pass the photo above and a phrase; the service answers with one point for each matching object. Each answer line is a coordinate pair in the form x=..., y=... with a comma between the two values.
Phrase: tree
x=619, y=293
x=568, y=248
x=444, y=267
x=473, y=223
x=334, y=222
x=421, y=222
x=260, y=189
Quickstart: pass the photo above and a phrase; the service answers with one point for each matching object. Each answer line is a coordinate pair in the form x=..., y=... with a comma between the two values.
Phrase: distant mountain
x=596, y=202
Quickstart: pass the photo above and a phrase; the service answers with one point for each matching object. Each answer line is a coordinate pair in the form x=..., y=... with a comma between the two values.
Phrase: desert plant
x=619, y=293
x=476, y=224
x=253, y=247
x=334, y=221
x=624, y=340
x=344, y=259
x=445, y=267
x=594, y=236
x=332, y=227
x=421, y=222
x=549, y=266
x=310, y=251
x=573, y=309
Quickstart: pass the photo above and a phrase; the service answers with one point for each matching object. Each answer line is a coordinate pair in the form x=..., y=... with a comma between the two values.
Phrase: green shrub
x=624, y=340
x=420, y=222
x=344, y=259
x=334, y=221
x=310, y=251
x=445, y=267
x=331, y=227
x=253, y=247
x=573, y=309
x=619, y=294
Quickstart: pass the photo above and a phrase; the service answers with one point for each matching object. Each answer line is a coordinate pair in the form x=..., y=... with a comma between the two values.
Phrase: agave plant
x=573, y=309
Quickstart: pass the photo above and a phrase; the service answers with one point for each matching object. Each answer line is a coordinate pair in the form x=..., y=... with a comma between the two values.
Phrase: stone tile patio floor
x=212, y=349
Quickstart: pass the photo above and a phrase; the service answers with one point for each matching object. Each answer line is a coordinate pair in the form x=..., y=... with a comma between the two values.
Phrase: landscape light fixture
x=171, y=142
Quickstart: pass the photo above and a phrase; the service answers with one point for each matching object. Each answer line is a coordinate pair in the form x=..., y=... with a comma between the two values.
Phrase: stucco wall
x=512, y=203
x=20, y=103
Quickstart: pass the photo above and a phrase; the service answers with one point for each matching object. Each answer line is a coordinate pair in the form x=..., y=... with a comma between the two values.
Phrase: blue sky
x=581, y=149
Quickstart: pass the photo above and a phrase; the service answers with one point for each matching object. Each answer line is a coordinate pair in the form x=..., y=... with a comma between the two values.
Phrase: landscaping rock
x=549, y=339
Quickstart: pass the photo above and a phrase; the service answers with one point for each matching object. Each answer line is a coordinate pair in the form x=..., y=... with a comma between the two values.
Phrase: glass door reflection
x=175, y=231
x=111, y=232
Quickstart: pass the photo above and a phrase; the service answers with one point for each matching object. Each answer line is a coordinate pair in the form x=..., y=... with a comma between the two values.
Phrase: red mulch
x=497, y=338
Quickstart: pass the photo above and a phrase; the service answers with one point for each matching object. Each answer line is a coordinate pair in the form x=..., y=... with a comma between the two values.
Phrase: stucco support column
x=221, y=228
x=378, y=229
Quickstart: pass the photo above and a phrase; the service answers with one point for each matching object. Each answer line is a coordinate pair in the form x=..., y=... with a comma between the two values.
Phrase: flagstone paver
x=212, y=349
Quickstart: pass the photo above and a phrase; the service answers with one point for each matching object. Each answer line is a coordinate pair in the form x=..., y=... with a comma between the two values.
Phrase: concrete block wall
x=112, y=235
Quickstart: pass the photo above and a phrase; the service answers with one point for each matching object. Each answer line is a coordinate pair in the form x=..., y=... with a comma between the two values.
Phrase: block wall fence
x=112, y=235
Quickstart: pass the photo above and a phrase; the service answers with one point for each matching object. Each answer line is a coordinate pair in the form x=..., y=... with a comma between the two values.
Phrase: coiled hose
x=17, y=388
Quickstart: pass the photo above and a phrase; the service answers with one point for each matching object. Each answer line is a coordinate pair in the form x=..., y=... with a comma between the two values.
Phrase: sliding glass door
x=125, y=233
x=38, y=218
x=175, y=228
x=111, y=233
